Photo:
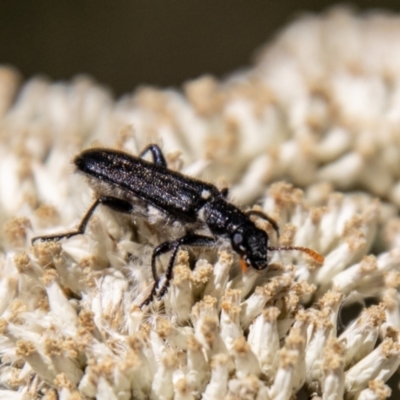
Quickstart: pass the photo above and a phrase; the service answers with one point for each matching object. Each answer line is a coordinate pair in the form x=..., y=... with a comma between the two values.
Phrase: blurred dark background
x=160, y=42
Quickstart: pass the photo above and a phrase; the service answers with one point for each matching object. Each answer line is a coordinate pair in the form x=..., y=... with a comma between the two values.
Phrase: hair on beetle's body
x=121, y=179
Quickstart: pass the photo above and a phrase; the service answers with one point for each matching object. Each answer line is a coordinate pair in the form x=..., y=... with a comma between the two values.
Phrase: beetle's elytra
x=190, y=201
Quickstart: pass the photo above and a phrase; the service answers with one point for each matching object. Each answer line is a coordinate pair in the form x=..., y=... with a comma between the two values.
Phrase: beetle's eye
x=237, y=238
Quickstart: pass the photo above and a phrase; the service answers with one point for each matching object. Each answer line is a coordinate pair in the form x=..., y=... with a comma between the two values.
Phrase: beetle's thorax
x=222, y=218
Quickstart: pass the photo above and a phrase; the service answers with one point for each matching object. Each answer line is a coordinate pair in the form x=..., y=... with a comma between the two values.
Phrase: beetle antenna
x=316, y=256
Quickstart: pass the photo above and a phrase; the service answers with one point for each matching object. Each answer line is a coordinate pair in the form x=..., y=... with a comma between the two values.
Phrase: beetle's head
x=251, y=244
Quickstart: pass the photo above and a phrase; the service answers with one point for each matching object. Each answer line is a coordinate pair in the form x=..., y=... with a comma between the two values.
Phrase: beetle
x=120, y=178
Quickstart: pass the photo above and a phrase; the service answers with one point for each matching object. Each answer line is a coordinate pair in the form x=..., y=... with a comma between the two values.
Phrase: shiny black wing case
x=169, y=191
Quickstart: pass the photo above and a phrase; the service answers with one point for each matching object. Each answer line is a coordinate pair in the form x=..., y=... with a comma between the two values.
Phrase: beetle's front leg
x=114, y=203
x=266, y=217
x=174, y=245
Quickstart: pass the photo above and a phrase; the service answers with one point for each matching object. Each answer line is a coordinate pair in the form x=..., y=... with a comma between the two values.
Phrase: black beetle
x=124, y=178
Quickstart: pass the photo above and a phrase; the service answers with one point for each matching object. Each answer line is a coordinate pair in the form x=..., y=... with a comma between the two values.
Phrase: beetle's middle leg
x=114, y=203
x=173, y=245
x=158, y=156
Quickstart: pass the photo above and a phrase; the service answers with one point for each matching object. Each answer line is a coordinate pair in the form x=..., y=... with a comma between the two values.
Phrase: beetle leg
x=224, y=192
x=174, y=245
x=114, y=203
x=158, y=156
x=266, y=217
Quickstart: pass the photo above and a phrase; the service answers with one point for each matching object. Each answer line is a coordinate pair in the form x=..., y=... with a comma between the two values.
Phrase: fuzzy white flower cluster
x=336, y=77
x=313, y=111
x=70, y=315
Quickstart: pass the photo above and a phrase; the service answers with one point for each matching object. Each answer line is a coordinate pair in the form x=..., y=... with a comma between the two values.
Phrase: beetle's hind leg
x=114, y=203
x=158, y=156
x=174, y=246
